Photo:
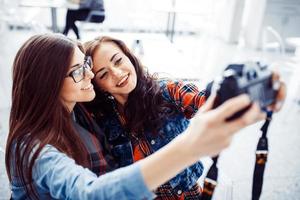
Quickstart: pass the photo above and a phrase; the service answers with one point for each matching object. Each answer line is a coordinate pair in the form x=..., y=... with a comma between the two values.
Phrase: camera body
x=250, y=78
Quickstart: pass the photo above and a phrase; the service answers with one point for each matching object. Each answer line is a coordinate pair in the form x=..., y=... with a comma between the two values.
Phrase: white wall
x=252, y=22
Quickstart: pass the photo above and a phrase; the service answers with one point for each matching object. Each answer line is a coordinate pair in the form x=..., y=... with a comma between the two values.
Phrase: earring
x=109, y=96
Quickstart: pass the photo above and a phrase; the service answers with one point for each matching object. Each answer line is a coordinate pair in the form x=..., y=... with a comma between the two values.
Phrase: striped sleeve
x=186, y=96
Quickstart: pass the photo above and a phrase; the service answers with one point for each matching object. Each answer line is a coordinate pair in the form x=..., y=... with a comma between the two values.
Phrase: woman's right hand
x=209, y=132
x=207, y=135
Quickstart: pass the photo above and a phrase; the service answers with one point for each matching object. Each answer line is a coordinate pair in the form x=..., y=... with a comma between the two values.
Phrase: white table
x=171, y=20
x=53, y=5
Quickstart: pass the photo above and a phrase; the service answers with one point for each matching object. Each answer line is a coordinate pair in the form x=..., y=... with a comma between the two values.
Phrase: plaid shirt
x=57, y=176
x=100, y=159
x=185, y=96
x=188, y=98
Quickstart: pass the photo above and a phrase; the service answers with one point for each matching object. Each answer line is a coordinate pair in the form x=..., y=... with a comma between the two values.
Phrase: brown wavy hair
x=145, y=108
x=38, y=116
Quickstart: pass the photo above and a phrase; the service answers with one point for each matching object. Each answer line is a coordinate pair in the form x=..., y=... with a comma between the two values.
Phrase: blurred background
x=193, y=40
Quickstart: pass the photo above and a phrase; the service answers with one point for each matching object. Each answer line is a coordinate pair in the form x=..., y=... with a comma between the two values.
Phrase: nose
x=89, y=74
x=117, y=72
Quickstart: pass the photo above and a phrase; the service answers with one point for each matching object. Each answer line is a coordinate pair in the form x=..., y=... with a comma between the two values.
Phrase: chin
x=93, y=96
x=89, y=97
x=133, y=86
x=130, y=89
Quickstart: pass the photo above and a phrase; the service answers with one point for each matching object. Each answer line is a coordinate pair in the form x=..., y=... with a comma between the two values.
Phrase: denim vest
x=172, y=127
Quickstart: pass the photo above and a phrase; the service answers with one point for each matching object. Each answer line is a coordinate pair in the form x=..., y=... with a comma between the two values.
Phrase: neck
x=120, y=108
x=121, y=99
x=120, y=113
x=70, y=106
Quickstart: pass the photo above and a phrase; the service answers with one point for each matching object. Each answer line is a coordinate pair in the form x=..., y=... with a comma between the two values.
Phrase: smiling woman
x=82, y=91
x=140, y=114
x=51, y=153
x=114, y=72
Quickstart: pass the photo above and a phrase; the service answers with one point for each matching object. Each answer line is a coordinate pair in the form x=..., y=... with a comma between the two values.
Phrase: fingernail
x=256, y=104
x=276, y=85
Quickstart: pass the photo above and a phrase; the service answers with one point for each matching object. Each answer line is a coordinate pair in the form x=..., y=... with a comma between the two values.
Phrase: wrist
x=188, y=148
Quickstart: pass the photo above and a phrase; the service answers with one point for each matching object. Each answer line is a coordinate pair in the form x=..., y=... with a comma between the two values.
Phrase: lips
x=88, y=87
x=123, y=81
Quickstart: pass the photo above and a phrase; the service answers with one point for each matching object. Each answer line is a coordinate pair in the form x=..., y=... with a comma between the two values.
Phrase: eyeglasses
x=80, y=73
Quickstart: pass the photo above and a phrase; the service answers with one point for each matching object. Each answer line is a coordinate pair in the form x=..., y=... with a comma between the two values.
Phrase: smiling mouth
x=89, y=87
x=123, y=81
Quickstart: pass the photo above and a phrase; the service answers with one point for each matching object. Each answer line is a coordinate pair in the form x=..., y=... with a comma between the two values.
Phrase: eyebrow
x=113, y=57
x=76, y=65
x=99, y=71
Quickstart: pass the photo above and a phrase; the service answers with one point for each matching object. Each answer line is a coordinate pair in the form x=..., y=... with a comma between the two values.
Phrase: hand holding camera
x=262, y=86
x=265, y=93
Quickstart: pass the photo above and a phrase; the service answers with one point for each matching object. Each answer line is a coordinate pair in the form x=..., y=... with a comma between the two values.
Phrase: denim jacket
x=57, y=176
x=172, y=127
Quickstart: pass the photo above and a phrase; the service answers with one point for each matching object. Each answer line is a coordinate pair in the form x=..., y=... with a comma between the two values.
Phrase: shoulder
x=176, y=89
x=177, y=86
x=169, y=86
x=50, y=155
x=50, y=158
x=169, y=83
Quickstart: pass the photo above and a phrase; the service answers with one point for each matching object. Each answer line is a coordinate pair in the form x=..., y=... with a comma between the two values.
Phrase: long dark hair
x=145, y=108
x=38, y=116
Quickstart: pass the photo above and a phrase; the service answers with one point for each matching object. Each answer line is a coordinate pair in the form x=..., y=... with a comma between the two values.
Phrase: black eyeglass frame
x=87, y=64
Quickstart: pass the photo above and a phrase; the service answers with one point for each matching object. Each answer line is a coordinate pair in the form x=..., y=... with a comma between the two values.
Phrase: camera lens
x=251, y=75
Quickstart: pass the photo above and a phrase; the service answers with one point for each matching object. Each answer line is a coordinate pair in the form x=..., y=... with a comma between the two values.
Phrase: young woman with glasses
x=49, y=155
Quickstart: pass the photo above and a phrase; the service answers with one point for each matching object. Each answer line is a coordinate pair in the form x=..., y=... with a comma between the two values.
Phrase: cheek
x=133, y=71
x=134, y=75
x=69, y=94
x=104, y=85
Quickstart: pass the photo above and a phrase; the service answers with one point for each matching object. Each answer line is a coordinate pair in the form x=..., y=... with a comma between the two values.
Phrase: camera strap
x=261, y=153
x=210, y=182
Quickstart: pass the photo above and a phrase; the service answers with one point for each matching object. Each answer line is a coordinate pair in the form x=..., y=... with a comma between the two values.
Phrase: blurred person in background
x=81, y=14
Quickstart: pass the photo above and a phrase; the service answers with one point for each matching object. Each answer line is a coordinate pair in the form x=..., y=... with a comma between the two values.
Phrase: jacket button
x=152, y=142
x=179, y=192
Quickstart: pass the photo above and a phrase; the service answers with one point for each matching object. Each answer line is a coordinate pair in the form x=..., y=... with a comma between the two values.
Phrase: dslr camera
x=250, y=78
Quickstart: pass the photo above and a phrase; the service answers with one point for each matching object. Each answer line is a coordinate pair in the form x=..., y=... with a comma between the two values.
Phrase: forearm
x=167, y=162
x=63, y=179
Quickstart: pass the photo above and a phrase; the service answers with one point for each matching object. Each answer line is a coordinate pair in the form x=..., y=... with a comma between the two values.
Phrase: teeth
x=87, y=87
x=123, y=79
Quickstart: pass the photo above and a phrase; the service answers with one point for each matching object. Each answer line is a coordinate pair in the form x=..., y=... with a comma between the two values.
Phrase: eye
x=103, y=75
x=77, y=72
x=119, y=61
